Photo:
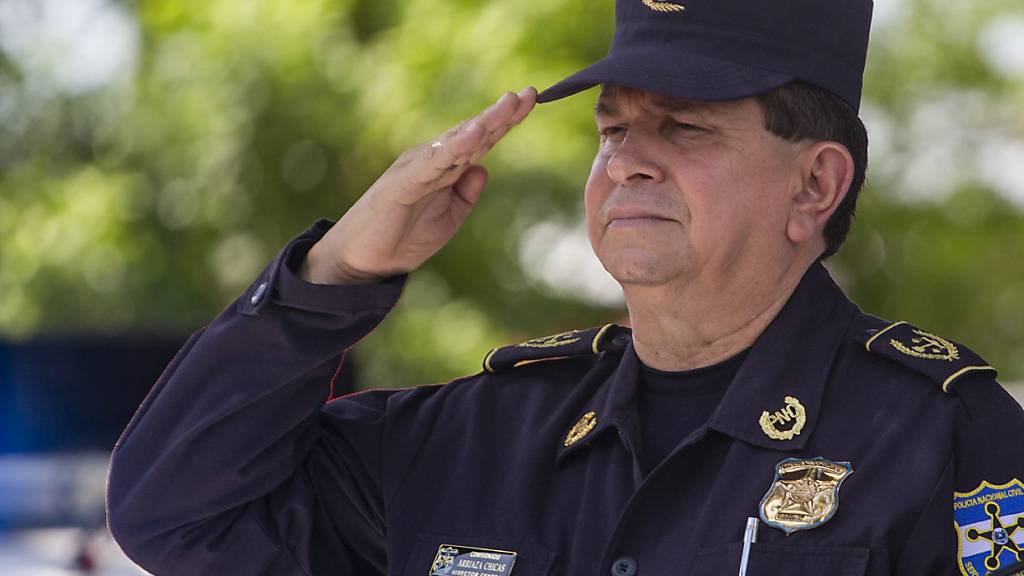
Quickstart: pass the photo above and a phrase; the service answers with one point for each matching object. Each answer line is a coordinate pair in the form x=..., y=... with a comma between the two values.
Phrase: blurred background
x=154, y=156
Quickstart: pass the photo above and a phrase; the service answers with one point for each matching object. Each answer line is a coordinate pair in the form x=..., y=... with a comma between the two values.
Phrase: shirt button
x=624, y=566
x=258, y=294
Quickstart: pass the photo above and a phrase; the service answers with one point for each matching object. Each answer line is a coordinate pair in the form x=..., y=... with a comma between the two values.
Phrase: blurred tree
x=148, y=201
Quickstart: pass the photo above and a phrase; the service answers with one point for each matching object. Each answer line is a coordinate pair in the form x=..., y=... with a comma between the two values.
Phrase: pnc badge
x=805, y=493
x=989, y=524
x=786, y=423
x=581, y=428
x=663, y=6
x=452, y=560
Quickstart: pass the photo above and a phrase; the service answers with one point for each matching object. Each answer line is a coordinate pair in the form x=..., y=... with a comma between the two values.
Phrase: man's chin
x=645, y=269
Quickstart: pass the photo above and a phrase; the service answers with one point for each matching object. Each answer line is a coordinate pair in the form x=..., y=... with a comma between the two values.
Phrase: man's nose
x=632, y=162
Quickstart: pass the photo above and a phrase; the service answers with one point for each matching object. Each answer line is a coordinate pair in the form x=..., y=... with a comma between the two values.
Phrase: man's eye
x=688, y=127
x=612, y=132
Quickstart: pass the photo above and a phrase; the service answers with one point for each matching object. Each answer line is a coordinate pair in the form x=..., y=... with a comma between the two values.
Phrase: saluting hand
x=418, y=204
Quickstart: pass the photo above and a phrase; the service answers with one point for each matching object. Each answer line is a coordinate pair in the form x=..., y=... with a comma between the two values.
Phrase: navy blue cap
x=712, y=50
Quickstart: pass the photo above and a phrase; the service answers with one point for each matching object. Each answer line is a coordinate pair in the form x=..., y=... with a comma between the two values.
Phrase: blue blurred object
x=63, y=403
x=75, y=393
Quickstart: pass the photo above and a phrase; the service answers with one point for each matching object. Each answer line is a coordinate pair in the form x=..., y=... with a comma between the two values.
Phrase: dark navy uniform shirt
x=670, y=405
x=864, y=447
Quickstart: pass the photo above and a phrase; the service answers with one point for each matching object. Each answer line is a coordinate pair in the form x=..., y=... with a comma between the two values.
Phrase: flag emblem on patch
x=989, y=523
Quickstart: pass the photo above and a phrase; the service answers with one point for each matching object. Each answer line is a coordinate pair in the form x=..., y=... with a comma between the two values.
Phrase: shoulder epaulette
x=942, y=360
x=607, y=338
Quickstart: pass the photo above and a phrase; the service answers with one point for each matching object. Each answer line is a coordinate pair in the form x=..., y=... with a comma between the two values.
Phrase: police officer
x=729, y=162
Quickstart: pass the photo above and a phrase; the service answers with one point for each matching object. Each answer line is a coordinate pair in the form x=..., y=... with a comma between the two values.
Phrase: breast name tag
x=452, y=560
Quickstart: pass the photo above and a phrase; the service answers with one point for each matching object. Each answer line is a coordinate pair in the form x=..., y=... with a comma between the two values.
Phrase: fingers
x=441, y=163
x=455, y=144
x=526, y=99
x=471, y=184
x=500, y=116
x=466, y=143
x=468, y=189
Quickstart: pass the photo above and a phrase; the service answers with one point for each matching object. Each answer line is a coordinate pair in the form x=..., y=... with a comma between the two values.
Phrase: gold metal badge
x=805, y=493
x=663, y=6
x=928, y=346
x=581, y=428
x=794, y=412
x=552, y=341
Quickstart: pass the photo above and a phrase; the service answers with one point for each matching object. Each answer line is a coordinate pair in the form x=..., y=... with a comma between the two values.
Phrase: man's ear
x=824, y=178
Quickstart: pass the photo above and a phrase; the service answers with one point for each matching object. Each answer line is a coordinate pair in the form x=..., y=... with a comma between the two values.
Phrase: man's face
x=681, y=189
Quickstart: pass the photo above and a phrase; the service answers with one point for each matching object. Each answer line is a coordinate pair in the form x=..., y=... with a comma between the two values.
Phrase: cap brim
x=691, y=77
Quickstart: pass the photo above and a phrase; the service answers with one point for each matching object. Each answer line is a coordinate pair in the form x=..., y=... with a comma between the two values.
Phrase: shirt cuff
x=279, y=283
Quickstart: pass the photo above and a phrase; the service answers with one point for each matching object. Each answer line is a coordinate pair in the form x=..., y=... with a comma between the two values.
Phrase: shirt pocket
x=529, y=561
x=775, y=559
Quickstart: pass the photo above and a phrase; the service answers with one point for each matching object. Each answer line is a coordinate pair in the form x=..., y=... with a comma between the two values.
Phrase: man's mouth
x=628, y=216
x=636, y=222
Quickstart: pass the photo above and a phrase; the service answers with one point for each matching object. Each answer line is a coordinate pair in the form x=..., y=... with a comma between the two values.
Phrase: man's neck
x=705, y=321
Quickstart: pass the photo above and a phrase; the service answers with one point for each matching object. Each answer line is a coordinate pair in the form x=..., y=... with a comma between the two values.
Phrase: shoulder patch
x=944, y=361
x=607, y=338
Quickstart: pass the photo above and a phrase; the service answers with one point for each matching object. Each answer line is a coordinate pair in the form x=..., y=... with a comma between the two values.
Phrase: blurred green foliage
x=150, y=202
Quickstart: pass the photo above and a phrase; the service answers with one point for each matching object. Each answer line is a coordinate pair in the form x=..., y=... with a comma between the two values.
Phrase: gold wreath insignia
x=663, y=6
x=793, y=411
x=581, y=429
x=928, y=346
x=552, y=341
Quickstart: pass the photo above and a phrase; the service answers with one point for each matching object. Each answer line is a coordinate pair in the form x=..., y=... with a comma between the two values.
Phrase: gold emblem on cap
x=792, y=411
x=581, y=428
x=663, y=6
x=805, y=493
x=928, y=346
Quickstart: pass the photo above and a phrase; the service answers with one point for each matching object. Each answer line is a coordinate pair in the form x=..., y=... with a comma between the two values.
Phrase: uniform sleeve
x=230, y=464
x=974, y=523
x=988, y=497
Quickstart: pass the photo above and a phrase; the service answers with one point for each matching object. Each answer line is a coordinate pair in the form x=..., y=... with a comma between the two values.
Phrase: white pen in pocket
x=749, y=537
